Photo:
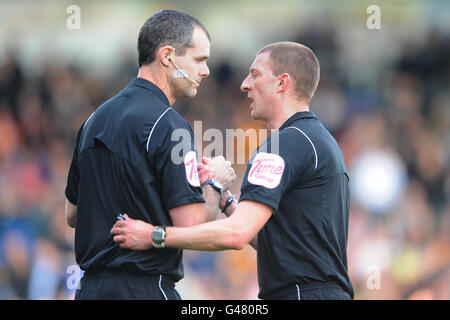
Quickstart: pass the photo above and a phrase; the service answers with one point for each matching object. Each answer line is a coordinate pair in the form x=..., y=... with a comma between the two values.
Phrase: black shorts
x=108, y=285
x=313, y=291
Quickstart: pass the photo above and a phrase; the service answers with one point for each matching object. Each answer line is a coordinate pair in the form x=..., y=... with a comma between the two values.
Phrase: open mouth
x=251, y=101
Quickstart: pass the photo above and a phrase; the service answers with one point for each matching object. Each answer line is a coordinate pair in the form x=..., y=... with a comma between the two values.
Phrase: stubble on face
x=259, y=85
x=193, y=64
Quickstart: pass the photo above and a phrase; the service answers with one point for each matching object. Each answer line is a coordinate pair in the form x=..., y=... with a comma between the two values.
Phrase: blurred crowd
x=397, y=251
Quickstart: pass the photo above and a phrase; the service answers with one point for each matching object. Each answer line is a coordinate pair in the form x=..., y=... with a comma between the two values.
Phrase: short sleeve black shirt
x=300, y=172
x=130, y=157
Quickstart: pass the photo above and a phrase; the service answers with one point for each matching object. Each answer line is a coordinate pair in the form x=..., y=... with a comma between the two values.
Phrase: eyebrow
x=205, y=57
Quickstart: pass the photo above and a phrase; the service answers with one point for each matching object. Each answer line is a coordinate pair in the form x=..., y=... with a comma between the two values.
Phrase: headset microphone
x=180, y=73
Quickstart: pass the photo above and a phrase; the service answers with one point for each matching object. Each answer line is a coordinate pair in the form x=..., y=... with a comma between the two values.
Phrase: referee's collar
x=141, y=82
x=298, y=116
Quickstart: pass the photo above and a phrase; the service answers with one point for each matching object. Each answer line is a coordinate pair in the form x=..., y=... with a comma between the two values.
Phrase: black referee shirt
x=307, y=184
x=125, y=160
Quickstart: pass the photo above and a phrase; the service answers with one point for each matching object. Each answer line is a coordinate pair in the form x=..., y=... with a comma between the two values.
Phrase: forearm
x=234, y=232
x=212, y=236
x=228, y=212
x=212, y=198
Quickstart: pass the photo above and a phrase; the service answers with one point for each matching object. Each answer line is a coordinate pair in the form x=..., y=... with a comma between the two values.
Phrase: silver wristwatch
x=158, y=237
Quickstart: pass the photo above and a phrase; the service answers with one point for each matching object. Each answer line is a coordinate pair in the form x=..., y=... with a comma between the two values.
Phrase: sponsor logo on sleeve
x=267, y=170
x=190, y=166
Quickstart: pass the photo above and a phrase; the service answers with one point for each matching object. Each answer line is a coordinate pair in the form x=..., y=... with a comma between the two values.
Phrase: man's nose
x=245, y=85
x=205, y=71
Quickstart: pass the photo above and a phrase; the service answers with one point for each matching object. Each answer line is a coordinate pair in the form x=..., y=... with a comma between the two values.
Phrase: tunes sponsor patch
x=267, y=170
x=190, y=165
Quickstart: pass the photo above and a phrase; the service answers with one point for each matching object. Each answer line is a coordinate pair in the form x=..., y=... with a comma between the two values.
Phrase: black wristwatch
x=228, y=202
x=158, y=237
x=215, y=184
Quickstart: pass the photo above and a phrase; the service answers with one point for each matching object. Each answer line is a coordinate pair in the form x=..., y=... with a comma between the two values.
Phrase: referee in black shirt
x=294, y=202
x=126, y=159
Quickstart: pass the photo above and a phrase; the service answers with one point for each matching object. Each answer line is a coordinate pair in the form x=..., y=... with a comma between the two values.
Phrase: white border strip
x=150, y=135
x=89, y=118
x=160, y=288
x=315, y=152
x=298, y=292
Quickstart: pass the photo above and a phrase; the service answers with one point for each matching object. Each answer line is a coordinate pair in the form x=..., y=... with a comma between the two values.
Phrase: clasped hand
x=217, y=168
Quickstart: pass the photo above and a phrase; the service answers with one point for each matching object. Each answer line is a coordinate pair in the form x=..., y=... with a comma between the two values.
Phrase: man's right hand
x=222, y=170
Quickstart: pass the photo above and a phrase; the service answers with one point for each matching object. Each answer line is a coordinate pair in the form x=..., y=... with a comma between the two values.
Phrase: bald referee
x=124, y=162
x=294, y=202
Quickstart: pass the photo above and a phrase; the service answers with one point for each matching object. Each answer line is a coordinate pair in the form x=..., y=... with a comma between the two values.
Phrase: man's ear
x=165, y=54
x=284, y=81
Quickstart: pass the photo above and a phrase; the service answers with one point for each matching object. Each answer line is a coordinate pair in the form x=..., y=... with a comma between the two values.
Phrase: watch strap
x=229, y=201
x=211, y=183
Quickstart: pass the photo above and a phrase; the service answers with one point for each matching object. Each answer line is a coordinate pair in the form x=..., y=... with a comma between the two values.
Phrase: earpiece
x=170, y=56
x=182, y=72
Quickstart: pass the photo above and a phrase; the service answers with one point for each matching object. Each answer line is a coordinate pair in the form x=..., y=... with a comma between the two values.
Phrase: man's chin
x=191, y=93
x=188, y=94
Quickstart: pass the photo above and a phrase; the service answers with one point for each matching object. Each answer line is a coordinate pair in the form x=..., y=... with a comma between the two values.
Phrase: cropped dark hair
x=166, y=27
x=299, y=62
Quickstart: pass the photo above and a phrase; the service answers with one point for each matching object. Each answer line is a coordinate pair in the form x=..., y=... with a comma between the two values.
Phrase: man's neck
x=287, y=111
x=156, y=75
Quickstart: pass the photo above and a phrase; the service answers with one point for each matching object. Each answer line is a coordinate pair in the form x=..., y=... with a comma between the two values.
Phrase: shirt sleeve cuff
x=172, y=203
x=261, y=198
x=71, y=197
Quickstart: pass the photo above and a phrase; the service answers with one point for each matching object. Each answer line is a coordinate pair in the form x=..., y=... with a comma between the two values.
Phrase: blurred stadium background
x=384, y=94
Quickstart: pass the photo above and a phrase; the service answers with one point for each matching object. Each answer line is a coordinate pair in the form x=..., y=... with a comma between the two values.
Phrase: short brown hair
x=299, y=62
x=166, y=27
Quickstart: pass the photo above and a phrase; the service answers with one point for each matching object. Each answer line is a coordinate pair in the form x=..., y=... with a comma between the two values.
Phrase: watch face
x=217, y=183
x=159, y=235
